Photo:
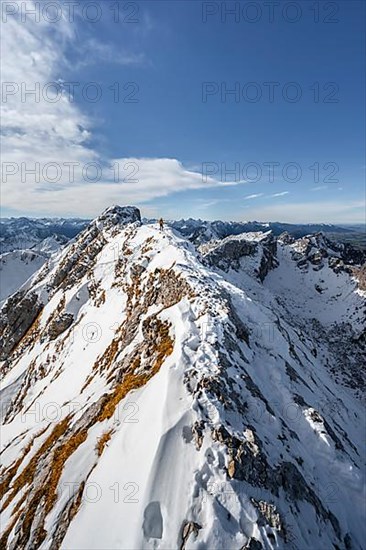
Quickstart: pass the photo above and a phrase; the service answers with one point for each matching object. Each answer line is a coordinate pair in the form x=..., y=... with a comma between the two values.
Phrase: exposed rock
x=60, y=324
x=247, y=464
x=233, y=251
x=286, y=238
x=17, y=316
x=317, y=249
x=160, y=300
x=269, y=513
x=253, y=544
x=188, y=528
x=229, y=251
x=269, y=254
x=79, y=260
x=360, y=274
x=118, y=215
x=197, y=433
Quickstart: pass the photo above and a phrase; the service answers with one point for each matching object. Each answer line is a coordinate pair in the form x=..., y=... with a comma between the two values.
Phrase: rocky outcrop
x=286, y=238
x=255, y=251
x=189, y=528
x=21, y=310
x=269, y=513
x=253, y=544
x=16, y=318
x=269, y=256
x=247, y=462
x=316, y=250
x=228, y=252
x=79, y=259
x=81, y=256
x=59, y=325
x=360, y=275
x=117, y=215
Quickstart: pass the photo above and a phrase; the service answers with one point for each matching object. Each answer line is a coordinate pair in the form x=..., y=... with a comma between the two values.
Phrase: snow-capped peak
x=117, y=215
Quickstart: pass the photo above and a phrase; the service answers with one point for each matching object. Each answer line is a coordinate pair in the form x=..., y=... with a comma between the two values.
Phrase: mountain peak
x=118, y=215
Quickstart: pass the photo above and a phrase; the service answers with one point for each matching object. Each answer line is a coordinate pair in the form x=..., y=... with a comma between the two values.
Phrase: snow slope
x=18, y=266
x=151, y=400
x=15, y=269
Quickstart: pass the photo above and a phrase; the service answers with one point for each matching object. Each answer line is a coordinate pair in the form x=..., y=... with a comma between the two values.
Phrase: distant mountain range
x=199, y=231
x=28, y=233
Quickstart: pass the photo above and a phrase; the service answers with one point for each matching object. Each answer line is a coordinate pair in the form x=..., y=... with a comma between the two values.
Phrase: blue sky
x=175, y=59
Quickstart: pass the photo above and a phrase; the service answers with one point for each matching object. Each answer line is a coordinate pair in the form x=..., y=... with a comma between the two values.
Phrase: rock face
x=360, y=275
x=317, y=250
x=228, y=252
x=269, y=256
x=286, y=238
x=253, y=544
x=16, y=318
x=195, y=397
x=118, y=215
x=21, y=310
x=59, y=325
x=256, y=251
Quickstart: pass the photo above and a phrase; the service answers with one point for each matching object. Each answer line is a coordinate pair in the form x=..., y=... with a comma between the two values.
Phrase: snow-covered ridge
x=153, y=399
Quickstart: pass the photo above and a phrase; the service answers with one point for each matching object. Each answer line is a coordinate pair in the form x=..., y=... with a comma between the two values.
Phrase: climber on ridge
x=161, y=224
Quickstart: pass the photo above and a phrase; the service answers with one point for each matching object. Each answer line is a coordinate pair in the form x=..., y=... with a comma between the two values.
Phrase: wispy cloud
x=254, y=196
x=213, y=202
x=282, y=194
x=319, y=188
x=94, y=51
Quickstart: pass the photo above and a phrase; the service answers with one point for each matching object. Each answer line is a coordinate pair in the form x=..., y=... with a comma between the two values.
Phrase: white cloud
x=319, y=188
x=93, y=51
x=34, y=127
x=282, y=194
x=213, y=202
x=136, y=181
x=254, y=196
x=37, y=132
